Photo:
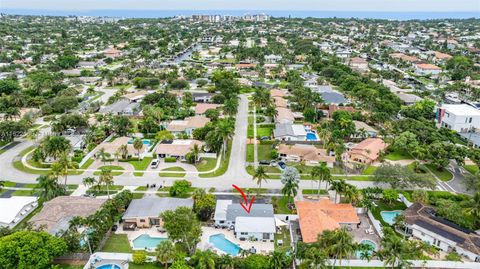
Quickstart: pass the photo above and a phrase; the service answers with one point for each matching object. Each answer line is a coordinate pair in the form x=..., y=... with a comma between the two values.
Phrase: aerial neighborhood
x=249, y=142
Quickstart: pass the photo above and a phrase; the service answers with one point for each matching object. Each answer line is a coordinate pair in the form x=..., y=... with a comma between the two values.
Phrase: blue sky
x=294, y=5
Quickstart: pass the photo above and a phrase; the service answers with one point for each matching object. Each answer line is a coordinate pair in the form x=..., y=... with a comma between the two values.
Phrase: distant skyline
x=273, y=5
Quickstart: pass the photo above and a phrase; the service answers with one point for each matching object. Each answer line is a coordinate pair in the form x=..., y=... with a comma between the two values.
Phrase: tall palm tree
x=103, y=155
x=290, y=179
x=260, y=176
x=315, y=258
x=123, y=150
x=89, y=181
x=394, y=249
x=165, y=252
x=224, y=130
x=63, y=166
x=338, y=186
x=352, y=194
x=106, y=178
x=320, y=173
x=48, y=187
x=204, y=259
x=138, y=145
x=195, y=153
x=339, y=244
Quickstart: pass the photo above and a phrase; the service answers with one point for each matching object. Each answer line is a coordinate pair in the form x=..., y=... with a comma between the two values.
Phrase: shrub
x=274, y=154
x=180, y=187
x=139, y=257
x=170, y=159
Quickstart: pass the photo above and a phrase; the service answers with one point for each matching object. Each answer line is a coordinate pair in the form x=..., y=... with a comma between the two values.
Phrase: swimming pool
x=144, y=141
x=225, y=245
x=109, y=266
x=311, y=136
x=146, y=241
x=389, y=216
x=367, y=242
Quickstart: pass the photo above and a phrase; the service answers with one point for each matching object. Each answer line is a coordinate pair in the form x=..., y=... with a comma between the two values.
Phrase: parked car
x=273, y=163
x=155, y=163
x=264, y=162
x=264, y=138
x=282, y=165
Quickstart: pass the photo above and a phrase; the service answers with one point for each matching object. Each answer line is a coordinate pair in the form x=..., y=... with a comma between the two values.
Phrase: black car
x=264, y=162
x=282, y=165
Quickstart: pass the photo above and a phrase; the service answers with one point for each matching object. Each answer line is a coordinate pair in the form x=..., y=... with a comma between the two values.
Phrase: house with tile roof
x=176, y=148
x=315, y=217
x=424, y=224
x=309, y=154
x=187, y=125
x=367, y=151
x=427, y=69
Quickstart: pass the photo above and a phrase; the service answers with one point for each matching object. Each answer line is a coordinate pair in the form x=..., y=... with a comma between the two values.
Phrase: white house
x=273, y=58
x=290, y=132
x=422, y=223
x=427, y=69
x=15, y=208
x=257, y=228
x=459, y=117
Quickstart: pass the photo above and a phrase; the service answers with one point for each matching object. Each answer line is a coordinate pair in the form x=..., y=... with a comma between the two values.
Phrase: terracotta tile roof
x=190, y=122
x=441, y=55
x=241, y=66
x=318, y=216
x=369, y=148
x=113, y=146
x=428, y=67
x=280, y=102
x=404, y=57
x=201, y=108
x=177, y=147
x=278, y=93
x=284, y=115
x=332, y=108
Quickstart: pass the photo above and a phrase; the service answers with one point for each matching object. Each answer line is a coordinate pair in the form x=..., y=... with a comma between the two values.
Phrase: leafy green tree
x=460, y=67
x=204, y=204
x=120, y=125
x=406, y=142
x=260, y=176
x=49, y=188
x=180, y=187
x=280, y=259
x=138, y=145
x=398, y=176
x=338, y=244
x=30, y=249
x=139, y=257
x=390, y=195
x=204, y=259
x=420, y=196
x=164, y=135
x=183, y=227
x=55, y=146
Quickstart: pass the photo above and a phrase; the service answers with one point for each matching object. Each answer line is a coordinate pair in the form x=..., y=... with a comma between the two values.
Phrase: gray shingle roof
x=154, y=206
x=257, y=210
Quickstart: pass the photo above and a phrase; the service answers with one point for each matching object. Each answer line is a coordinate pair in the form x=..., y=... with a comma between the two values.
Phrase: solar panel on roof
x=438, y=230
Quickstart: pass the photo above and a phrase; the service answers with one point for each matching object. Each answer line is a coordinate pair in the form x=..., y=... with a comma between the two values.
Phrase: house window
x=243, y=233
x=142, y=220
x=266, y=236
x=470, y=120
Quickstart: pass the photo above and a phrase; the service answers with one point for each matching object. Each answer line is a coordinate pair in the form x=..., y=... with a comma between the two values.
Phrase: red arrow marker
x=246, y=205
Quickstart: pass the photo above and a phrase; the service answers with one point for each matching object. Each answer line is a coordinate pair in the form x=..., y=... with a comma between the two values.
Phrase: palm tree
x=89, y=181
x=33, y=134
x=195, y=153
x=394, y=249
x=123, y=150
x=279, y=259
x=290, y=179
x=320, y=173
x=204, y=259
x=474, y=206
x=315, y=259
x=365, y=251
x=338, y=243
x=63, y=165
x=260, y=176
x=352, y=194
x=224, y=130
x=103, y=155
x=48, y=187
x=338, y=186
x=106, y=178
x=165, y=252
x=138, y=145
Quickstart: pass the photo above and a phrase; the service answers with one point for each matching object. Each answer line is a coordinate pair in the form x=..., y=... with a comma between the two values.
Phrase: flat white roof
x=299, y=130
x=221, y=209
x=11, y=207
x=462, y=110
x=255, y=225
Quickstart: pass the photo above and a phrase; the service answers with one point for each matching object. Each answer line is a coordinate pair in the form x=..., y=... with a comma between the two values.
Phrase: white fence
x=376, y=224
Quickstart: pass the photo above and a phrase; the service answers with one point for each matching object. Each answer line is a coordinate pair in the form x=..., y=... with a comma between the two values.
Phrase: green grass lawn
x=102, y=190
x=87, y=163
x=19, y=166
x=138, y=195
x=166, y=174
x=264, y=152
x=250, y=131
x=473, y=169
x=24, y=193
x=117, y=243
x=314, y=191
x=143, y=266
x=282, y=234
x=397, y=156
x=111, y=167
x=369, y=170
x=280, y=205
x=141, y=165
x=141, y=188
x=382, y=206
x=250, y=153
x=223, y=164
x=264, y=131
x=443, y=175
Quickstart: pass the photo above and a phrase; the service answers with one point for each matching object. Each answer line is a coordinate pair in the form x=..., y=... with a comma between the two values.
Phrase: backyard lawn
x=397, y=156
x=280, y=205
x=264, y=130
x=166, y=174
x=117, y=243
x=223, y=164
x=264, y=152
x=369, y=170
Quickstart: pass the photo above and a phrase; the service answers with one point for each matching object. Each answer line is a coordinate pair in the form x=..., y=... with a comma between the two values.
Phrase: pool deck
x=261, y=247
x=360, y=234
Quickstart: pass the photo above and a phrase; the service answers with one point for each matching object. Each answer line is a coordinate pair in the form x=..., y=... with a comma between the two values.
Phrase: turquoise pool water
x=311, y=136
x=146, y=241
x=389, y=216
x=225, y=245
x=367, y=242
x=144, y=141
x=109, y=266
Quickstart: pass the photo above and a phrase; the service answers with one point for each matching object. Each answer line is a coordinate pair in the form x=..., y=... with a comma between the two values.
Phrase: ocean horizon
x=389, y=15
